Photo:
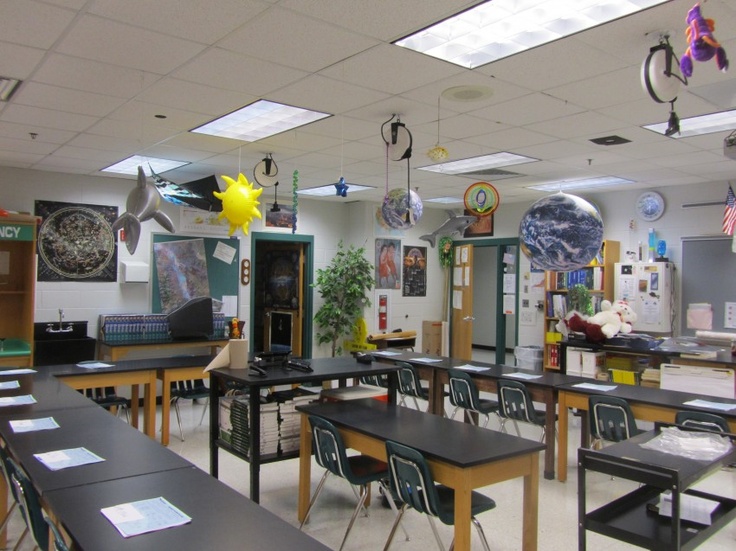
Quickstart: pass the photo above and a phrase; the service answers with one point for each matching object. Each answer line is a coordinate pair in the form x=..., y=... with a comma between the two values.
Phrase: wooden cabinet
x=17, y=288
x=597, y=277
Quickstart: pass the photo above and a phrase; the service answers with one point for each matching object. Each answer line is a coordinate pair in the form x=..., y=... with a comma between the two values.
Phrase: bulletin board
x=222, y=256
x=708, y=266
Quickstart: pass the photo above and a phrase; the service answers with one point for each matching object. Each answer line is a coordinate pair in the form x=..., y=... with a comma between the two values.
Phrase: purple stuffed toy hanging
x=702, y=45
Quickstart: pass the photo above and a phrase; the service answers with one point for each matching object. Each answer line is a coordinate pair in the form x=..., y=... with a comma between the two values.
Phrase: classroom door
x=461, y=303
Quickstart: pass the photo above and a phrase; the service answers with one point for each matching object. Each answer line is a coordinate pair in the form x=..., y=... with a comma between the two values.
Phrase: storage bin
x=529, y=357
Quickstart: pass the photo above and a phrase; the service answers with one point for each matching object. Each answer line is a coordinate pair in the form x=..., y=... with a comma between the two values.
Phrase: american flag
x=729, y=214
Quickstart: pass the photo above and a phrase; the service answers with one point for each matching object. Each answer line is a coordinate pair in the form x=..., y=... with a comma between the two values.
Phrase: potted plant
x=344, y=286
x=580, y=299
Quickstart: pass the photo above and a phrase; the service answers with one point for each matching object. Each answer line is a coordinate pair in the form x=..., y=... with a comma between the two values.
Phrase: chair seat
x=366, y=469
x=486, y=405
x=479, y=503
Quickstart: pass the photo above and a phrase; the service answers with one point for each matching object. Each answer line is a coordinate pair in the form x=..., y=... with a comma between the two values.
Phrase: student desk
x=647, y=404
x=221, y=517
x=50, y=394
x=542, y=389
x=461, y=456
x=324, y=369
x=107, y=351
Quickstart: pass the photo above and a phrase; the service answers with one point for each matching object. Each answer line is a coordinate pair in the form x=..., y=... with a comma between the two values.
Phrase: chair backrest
x=328, y=446
x=702, y=420
x=59, y=542
x=30, y=505
x=412, y=481
x=375, y=380
x=7, y=468
x=515, y=402
x=463, y=391
x=409, y=382
x=611, y=418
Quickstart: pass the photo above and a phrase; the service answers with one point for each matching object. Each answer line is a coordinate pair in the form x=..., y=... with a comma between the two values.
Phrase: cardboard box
x=432, y=337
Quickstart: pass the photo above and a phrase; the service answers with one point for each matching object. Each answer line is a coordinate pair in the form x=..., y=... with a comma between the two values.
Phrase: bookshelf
x=17, y=288
x=597, y=277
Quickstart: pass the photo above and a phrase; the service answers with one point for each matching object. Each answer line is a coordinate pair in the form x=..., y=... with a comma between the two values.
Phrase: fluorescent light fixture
x=702, y=124
x=329, y=190
x=500, y=28
x=473, y=164
x=259, y=120
x=8, y=87
x=131, y=164
x=444, y=200
x=588, y=183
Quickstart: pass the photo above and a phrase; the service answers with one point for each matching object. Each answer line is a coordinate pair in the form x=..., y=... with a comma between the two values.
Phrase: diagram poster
x=415, y=272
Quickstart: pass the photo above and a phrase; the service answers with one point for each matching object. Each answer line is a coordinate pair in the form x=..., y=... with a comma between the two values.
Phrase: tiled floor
x=557, y=502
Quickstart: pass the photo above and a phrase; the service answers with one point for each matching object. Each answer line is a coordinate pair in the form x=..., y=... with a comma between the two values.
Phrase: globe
x=394, y=209
x=561, y=232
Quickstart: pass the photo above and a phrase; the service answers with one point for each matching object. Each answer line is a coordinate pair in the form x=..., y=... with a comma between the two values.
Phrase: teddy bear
x=614, y=318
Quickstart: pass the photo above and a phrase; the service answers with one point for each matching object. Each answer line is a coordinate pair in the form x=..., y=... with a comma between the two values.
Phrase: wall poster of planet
x=76, y=242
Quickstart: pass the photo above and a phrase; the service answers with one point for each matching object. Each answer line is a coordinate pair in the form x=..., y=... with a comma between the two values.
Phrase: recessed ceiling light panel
x=588, y=183
x=702, y=124
x=131, y=164
x=481, y=162
x=259, y=120
x=496, y=29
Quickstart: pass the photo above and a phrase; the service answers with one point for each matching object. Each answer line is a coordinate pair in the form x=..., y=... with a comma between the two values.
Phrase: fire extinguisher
x=382, y=312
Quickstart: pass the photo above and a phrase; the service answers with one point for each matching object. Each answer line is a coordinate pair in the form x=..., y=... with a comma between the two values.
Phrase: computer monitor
x=192, y=320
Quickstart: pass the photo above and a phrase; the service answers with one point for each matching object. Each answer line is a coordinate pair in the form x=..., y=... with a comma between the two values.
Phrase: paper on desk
x=692, y=508
x=427, y=360
x=21, y=371
x=141, y=517
x=591, y=386
x=31, y=425
x=518, y=375
x=385, y=353
x=25, y=400
x=93, y=364
x=470, y=367
x=71, y=457
x=8, y=385
x=234, y=356
x=712, y=405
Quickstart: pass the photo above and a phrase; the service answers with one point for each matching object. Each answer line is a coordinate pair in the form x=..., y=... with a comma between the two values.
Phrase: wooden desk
x=324, y=369
x=221, y=517
x=117, y=351
x=461, y=456
x=647, y=404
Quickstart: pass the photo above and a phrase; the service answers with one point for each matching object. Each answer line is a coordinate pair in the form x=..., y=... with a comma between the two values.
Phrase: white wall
x=329, y=222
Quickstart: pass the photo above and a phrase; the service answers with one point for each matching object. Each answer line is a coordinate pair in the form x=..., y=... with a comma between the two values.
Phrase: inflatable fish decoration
x=454, y=224
x=142, y=205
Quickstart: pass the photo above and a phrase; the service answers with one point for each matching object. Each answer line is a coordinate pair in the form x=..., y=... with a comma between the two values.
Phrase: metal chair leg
x=204, y=410
x=361, y=501
x=314, y=498
x=395, y=525
x=178, y=418
x=481, y=533
x=387, y=494
x=436, y=533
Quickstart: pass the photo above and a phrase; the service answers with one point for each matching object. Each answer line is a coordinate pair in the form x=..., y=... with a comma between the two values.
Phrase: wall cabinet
x=17, y=288
x=597, y=277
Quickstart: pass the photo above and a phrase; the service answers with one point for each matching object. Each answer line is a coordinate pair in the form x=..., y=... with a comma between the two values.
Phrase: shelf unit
x=17, y=288
x=633, y=518
x=596, y=276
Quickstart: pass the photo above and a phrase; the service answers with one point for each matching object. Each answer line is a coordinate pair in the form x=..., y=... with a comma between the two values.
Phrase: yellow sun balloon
x=239, y=203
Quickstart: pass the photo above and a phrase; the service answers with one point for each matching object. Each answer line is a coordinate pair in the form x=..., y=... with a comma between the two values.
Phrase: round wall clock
x=650, y=206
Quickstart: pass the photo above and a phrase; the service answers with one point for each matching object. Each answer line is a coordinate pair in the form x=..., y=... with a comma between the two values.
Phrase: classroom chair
x=29, y=504
x=7, y=469
x=515, y=403
x=412, y=482
x=410, y=385
x=107, y=398
x=610, y=419
x=358, y=470
x=702, y=420
x=192, y=389
x=464, y=395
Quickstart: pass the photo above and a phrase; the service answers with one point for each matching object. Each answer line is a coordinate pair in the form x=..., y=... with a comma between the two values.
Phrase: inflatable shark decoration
x=142, y=205
x=454, y=224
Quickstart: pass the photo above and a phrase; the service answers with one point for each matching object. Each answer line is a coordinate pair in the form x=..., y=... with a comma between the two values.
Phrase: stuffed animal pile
x=614, y=318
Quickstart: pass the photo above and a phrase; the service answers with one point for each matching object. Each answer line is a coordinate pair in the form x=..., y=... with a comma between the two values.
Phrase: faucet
x=68, y=329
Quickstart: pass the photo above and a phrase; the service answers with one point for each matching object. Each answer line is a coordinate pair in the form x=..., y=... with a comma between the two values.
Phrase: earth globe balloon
x=561, y=232
x=395, y=206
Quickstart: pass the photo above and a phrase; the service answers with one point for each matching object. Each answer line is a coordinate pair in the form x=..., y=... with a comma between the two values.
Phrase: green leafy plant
x=580, y=299
x=344, y=286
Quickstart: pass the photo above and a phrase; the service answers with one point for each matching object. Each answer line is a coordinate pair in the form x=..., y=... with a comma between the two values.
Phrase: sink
x=62, y=347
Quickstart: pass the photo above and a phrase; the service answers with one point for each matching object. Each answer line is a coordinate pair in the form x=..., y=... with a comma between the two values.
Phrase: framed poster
x=388, y=259
x=76, y=242
x=482, y=228
x=282, y=219
x=415, y=272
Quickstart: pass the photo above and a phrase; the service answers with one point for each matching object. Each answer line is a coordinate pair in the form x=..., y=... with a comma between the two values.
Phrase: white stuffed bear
x=614, y=318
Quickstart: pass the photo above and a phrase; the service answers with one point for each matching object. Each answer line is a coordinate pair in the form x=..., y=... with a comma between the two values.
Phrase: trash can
x=529, y=357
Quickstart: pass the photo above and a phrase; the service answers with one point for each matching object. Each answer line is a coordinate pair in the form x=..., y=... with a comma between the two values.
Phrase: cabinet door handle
x=468, y=318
